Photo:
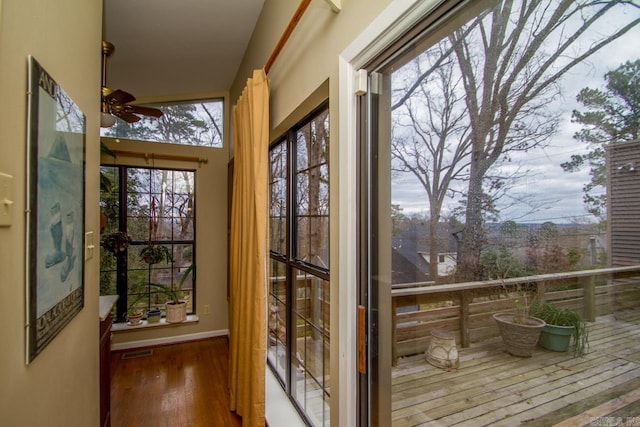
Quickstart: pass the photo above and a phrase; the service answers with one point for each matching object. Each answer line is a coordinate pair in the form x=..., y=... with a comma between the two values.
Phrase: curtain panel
x=248, y=252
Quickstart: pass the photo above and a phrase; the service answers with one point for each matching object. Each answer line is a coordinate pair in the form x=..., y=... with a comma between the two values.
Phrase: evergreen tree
x=610, y=115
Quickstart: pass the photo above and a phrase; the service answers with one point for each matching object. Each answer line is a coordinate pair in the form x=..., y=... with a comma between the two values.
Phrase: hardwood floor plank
x=178, y=385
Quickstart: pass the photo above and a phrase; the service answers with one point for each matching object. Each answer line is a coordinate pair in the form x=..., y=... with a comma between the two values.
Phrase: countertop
x=106, y=304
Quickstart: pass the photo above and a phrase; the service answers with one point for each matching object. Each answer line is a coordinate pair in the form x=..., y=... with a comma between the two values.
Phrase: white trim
x=169, y=340
x=347, y=248
x=279, y=409
x=398, y=17
x=387, y=27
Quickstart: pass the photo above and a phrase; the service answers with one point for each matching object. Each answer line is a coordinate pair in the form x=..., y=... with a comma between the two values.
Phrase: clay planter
x=519, y=338
x=135, y=318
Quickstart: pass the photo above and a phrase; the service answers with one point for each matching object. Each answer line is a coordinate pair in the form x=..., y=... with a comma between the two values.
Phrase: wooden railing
x=466, y=309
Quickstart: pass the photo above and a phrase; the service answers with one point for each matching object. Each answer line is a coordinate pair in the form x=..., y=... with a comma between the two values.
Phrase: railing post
x=541, y=290
x=589, y=288
x=464, y=319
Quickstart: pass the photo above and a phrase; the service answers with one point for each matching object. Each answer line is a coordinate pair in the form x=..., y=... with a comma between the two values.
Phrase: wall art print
x=55, y=207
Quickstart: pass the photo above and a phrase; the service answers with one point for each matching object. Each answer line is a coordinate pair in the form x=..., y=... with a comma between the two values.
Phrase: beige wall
x=306, y=73
x=60, y=387
x=211, y=236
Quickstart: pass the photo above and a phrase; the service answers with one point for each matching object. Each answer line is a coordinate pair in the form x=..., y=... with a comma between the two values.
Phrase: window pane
x=311, y=343
x=278, y=198
x=195, y=123
x=277, y=318
x=312, y=192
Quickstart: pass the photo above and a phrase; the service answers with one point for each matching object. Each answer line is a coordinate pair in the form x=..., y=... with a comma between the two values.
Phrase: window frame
x=289, y=259
x=128, y=128
x=122, y=269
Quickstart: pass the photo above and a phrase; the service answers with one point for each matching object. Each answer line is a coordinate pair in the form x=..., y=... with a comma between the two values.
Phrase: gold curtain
x=248, y=252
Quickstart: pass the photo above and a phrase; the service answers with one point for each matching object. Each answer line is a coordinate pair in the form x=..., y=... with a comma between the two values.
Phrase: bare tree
x=431, y=134
x=512, y=58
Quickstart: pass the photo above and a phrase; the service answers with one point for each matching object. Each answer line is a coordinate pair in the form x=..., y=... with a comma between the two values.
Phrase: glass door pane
x=492, y=164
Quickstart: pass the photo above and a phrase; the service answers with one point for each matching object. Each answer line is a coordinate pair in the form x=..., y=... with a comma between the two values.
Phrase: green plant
x=116, y=242
x=154, y=254
x=174, y=292
x=554, y=315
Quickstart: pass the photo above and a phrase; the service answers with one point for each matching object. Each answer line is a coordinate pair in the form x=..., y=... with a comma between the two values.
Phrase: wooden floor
x=181, y=385
x=494, y=388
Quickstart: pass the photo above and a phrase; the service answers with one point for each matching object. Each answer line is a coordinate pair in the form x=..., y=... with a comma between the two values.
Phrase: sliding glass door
x=488, y=159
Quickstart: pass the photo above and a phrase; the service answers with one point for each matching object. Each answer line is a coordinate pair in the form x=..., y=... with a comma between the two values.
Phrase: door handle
x=362, y=340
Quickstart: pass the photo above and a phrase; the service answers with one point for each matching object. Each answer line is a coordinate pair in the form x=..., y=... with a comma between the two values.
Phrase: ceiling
x=177, y=48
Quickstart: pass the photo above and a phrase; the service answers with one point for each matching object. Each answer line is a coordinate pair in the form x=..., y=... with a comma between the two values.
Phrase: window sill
x=126, y=327
x=279, y=409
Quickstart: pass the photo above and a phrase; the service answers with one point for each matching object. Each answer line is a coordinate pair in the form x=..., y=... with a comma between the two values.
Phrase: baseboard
x=169, y=340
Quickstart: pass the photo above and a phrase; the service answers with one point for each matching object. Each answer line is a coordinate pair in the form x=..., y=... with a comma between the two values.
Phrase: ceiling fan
x=115, y=103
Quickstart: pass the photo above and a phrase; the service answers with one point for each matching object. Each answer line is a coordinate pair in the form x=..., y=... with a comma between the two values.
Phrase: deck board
x=494, y=388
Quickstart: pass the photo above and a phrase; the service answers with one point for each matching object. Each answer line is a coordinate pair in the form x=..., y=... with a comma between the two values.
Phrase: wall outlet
x=207, y=309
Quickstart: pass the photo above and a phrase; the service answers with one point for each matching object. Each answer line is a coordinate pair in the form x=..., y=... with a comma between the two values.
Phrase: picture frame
x=56, y=143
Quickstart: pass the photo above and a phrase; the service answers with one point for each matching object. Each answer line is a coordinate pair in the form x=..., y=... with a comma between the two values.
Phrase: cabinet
x=105, y=371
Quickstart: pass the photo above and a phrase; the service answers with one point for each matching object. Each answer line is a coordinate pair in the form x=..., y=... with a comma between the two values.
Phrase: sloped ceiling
x=177, y=48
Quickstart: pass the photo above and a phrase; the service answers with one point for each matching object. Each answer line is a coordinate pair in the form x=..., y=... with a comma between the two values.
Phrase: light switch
x=89, y=246
x=6, y=200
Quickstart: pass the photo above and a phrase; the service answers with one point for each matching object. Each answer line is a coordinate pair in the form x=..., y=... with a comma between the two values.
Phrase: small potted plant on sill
x=175, y=306
x=134, y=312
x=519, y=330
x=561, y=325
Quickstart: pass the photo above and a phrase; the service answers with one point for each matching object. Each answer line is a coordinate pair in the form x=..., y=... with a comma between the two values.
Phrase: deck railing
x=466, y=309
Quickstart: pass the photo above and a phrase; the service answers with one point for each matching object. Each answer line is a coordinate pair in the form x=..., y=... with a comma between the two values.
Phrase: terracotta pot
x=135, y=318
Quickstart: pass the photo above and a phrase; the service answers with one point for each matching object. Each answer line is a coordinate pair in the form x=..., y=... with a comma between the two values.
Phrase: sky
x=557, y=193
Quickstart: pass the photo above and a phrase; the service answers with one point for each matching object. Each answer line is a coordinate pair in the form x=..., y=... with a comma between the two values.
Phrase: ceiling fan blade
x=119, y=97
x=126, y=116
x=146, y=111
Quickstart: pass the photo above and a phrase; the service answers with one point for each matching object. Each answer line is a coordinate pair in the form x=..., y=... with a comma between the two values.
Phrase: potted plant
x=116, y=242
x=519, y=330
x=175, y=306
x=154, y=253
x=562, y=324
x=154, y=315
x=134, y=312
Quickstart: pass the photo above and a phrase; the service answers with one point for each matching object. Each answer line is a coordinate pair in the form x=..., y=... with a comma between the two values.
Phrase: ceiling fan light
x=107, y=120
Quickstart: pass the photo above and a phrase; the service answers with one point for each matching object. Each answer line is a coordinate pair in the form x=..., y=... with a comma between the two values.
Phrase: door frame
x=395, y=20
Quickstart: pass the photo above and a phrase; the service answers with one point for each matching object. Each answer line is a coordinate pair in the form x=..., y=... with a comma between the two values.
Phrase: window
x=155, y=207
x=298, y=348
x=186, y=123
x=504, y=135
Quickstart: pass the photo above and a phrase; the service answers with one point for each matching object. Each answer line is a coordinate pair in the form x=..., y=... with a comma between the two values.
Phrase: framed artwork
x=55, y=209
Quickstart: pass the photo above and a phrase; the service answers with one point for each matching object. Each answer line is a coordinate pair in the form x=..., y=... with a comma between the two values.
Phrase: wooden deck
x=494, y=388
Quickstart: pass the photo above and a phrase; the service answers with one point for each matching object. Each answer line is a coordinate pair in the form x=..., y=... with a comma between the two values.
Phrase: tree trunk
x=469, y=267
